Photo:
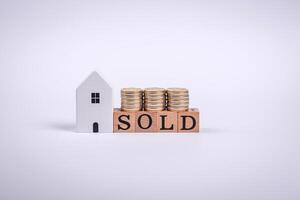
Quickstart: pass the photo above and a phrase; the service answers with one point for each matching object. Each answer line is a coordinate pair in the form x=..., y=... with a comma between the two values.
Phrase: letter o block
x=146, y=121
x=124, y=122
x=188, y=121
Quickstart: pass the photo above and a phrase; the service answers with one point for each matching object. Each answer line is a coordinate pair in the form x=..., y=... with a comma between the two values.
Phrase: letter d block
x=124, y=122
x=146, y=121
x=167, y=121
x=188, y=121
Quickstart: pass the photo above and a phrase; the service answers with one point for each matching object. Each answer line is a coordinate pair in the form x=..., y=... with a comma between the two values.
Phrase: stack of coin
x=154, y=99
x=178, y=99
x=131, y=99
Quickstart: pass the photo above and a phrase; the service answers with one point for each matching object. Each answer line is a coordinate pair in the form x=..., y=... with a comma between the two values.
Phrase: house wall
x=88, y=113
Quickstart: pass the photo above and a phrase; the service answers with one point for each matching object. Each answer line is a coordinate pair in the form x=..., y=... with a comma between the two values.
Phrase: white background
x=239, y=59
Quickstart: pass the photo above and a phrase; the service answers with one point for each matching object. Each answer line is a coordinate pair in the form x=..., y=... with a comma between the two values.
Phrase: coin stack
x=131, y=99
x=178, y=99
x=155, y=99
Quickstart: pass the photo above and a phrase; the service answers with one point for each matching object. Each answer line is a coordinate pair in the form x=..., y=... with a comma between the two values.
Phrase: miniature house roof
x=93, y=80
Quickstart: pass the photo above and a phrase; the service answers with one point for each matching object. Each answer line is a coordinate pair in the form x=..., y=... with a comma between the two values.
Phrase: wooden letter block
x=188, y=121
x=167, y=121
x=146, y=121
x=124, y=121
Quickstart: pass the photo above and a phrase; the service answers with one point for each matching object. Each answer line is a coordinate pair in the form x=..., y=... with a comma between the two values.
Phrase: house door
x=95, y=127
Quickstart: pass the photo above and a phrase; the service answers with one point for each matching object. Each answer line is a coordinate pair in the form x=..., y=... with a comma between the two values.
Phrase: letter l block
x=167, y=121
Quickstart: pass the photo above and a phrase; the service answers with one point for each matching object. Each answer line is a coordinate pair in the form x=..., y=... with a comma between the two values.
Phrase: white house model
x=94, y=105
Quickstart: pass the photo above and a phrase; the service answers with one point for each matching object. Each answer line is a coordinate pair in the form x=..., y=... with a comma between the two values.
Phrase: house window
x=95, y=97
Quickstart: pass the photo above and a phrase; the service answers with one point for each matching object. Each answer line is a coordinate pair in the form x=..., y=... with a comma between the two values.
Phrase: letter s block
x=188, y=121
x=146, y=121
x=124, y=122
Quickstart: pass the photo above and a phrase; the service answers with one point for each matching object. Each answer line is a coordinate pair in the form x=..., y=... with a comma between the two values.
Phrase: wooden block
x=146, y=121
x=188, y=121
x=124, y=122
x=167, y=121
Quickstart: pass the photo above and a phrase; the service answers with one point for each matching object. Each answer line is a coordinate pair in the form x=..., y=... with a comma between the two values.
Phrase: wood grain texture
x=156, y=121
x=188, y=121
x=167, y=121
x=146, y=121
x=124, y=122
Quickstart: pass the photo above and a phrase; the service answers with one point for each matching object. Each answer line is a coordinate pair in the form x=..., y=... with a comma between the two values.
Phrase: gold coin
x=154, y=90
x=154, y=106
x=154, y=102
x=155, y=109
x=132, y=95
x=155, y=99
x=131, y=107
x=185, y=104
x=131, y=102
x=179, y=99
x=130, y=110
x=178, y=109
x=178, y=102
x=177, y=90
x=154, y=96
x=154, y=93
x=177, y=96
x=178, y=106
x=132, y=99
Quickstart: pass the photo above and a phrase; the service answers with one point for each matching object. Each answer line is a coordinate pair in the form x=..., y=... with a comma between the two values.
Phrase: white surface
x=240, y=61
